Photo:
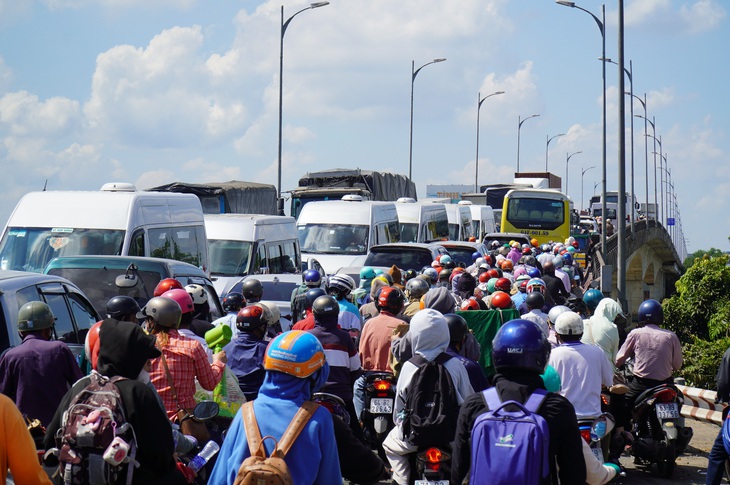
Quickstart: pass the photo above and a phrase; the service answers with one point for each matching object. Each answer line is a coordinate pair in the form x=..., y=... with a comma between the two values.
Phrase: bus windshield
x=229, y=258
x=540, y=214
x=31, y=248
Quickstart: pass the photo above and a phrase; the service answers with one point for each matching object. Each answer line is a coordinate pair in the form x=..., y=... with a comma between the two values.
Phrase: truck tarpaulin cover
x=384, y=186
x=228, y=197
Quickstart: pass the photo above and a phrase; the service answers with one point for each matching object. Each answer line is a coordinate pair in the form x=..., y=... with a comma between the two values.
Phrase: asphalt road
x=691, y=465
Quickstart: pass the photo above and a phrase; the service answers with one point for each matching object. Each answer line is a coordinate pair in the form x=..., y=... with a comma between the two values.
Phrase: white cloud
x=154, y=178
x=23, y=114
x=702, y=16
x=692, y=17
x=6, y=74
x=151, y=4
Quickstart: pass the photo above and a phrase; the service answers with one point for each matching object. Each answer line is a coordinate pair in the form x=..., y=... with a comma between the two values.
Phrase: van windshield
x=409, y=232
x=333, y=239
x=31, y=248
x=229, y=258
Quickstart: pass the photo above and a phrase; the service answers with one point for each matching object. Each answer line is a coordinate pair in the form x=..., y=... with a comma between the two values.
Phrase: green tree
x=699, y=313
x=702, y=254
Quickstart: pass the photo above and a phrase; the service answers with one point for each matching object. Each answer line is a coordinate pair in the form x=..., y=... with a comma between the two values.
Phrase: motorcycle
x=431, y=466
x=659, y=430
x=597, y=433
x=192, y=457
x=377, y=414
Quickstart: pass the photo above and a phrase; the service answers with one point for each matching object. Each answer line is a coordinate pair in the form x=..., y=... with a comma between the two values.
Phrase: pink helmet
x=182, y=298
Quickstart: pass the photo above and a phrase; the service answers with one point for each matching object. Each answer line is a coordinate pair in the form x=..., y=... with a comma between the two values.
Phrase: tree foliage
x=699, y=313
x=701, y=254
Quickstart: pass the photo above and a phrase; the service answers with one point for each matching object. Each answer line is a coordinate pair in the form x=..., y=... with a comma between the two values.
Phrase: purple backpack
x=509, y=447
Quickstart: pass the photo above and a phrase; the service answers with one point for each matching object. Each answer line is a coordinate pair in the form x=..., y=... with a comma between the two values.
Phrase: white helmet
x=197, y=293
x=569, y=323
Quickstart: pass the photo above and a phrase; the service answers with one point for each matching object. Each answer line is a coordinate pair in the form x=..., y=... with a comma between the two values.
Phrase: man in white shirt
x=535, y=302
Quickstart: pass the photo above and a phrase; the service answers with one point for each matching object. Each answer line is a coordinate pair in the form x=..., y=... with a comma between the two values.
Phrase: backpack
x=95, y=443
x=431, y=408
x=272, y=470
x=509, y=447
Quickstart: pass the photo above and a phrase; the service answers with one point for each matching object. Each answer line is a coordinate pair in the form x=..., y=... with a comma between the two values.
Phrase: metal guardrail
x=703, y=406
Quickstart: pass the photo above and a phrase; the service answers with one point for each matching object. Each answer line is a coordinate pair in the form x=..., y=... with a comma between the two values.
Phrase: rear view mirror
x=128, y=279
x=205, y=410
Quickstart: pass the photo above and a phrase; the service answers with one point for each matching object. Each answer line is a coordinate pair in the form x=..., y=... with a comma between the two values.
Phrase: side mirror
x=126, y=281
x=205, y=410
x=602, y=426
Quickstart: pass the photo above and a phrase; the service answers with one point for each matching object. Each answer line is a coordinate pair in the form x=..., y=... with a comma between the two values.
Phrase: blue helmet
x=475, y=255
x=312, y=278
x=534, y=273
x=568, y=259
x=650, y=311
x=520, y=344
x=592, y=297
x=433, y=274
x=367, y=273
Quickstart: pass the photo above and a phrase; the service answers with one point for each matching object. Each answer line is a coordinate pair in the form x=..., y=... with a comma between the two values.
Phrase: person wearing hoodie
x=124, y=350
x=430, y=335
x=295, y=368
x=601, y=330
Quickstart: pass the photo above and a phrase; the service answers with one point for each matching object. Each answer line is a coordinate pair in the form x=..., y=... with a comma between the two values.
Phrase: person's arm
x=19, y=447
x=209, y=375
x=626, y=350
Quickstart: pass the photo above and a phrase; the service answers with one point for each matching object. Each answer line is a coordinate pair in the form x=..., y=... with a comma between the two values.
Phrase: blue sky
x=156, y=91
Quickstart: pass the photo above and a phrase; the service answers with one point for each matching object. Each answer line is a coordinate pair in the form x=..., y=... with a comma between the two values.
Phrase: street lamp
x=646, y=150
x=660, y=207
x=601, y=25
x=582, y=173
x=652, y=122
x=284, y=25
x=519, y=126
x=480, y=100
x=414, y=73
x=546, y=147
x=567, y=159
x=662, y=156
x=629, y=74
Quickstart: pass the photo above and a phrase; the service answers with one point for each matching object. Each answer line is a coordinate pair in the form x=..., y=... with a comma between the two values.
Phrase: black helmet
x=444, y=274
x=409, y=275
x=457, y=327
x=311, y=295
x=121, y=306
x=233, y=302
x=252, y=289
x=325, y=306
x=535, y=300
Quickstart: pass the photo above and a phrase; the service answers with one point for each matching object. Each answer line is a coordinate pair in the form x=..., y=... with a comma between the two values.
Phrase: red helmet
x=92, y=344
x=470, y=304
x=182, y=298
x=493, y=273
x=166, y=285
x=391, y=299
x=484, y=277
x=507, y=265
x=503, y=284
x=526, y=251
x=488, y=259
x=500, y=299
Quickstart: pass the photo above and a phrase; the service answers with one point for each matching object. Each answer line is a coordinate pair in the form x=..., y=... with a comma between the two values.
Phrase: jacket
x=312, y=458
x=342, y=357
x=246, y=360
x=565, y=440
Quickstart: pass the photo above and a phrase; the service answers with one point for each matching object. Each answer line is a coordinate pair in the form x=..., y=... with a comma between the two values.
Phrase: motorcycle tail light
x=666, y=395
x=585, y=433
x=381, y=385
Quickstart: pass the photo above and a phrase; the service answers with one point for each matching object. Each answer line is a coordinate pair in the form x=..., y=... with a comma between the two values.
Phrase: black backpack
x=431, y=408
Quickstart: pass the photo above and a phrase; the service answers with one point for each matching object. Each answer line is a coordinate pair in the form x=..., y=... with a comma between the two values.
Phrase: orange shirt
x=17, y=450
x=375, y=342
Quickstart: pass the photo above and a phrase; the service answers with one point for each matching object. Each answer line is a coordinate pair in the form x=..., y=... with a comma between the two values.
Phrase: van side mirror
x=128, y=279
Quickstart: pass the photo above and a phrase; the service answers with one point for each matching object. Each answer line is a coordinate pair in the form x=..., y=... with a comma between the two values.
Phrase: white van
x=482, y=219
x=116, y=220
x=244, y=244
x=460, y=228
x=421, y=223
x=339, y=233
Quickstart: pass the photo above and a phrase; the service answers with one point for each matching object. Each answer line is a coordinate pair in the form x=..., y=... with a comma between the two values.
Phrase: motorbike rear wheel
x=667, y=459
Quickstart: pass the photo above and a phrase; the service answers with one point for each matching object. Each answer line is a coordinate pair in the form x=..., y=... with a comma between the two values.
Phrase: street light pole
x=660, y=205
x=414, y=73
x=582, y=173
x=567, y=159
x=646, y=136
x=480, y=100
x=646, y=150
x=601, y=27
x=546, y=147
x=519, y=126
x=284, y=25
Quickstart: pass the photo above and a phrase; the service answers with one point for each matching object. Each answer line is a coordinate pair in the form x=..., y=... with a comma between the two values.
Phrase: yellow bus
x=538, y=213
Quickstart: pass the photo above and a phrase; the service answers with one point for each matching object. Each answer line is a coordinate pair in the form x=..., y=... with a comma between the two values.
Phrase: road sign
x=670, y=221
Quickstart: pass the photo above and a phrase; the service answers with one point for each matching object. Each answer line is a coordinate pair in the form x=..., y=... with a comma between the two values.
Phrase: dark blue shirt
x=246, y=360
x=477, y=378
x=37, y=374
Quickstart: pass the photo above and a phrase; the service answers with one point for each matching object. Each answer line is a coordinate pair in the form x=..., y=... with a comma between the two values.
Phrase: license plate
x=598, y=453
x=432, y=482
x=667, y=411
x=381, y=405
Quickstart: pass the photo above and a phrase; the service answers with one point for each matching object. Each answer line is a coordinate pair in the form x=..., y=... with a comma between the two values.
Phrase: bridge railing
x=700, y=404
